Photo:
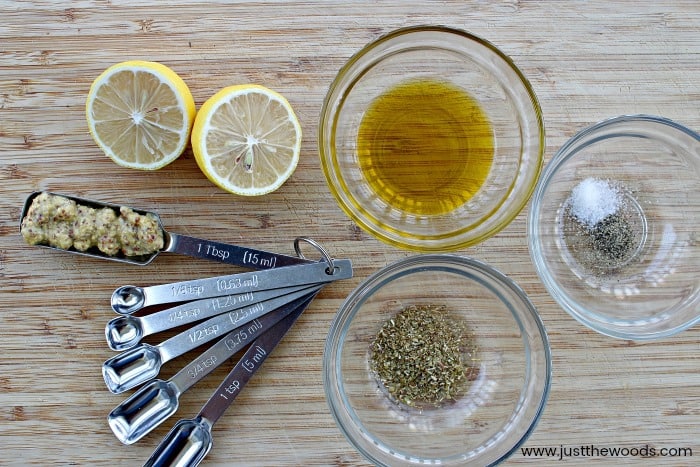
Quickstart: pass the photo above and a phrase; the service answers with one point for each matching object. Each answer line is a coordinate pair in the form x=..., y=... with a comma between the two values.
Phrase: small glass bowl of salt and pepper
x=613, y=227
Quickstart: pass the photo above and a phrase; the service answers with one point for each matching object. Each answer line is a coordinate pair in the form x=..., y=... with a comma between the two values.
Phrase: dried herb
x=423, y=356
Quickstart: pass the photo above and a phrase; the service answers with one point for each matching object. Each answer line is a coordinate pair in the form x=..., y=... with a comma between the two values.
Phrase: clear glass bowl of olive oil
x=431, y=139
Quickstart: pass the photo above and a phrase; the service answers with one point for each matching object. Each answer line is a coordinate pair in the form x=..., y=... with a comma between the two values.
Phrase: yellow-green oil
x=425, y=147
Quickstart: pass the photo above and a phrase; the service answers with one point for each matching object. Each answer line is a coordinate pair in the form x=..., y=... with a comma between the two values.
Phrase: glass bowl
x=503, y=398
x=613, y=227
x=442, y=166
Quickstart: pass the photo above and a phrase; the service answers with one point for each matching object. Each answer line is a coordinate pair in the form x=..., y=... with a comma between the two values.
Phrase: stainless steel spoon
x=129, y=298
x=157, y=400
x=190, y=440
x=182, y=244
x=143, y=362
x=126, y=331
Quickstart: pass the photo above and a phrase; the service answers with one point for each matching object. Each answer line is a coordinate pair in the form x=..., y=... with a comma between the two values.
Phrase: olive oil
x=425, y=147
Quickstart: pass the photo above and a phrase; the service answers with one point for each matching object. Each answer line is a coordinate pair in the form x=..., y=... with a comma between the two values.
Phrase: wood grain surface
x=586, y=61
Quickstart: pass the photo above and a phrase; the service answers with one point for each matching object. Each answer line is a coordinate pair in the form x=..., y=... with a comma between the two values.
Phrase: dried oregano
x=423, y=356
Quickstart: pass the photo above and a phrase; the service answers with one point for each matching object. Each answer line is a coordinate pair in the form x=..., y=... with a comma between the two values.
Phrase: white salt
x=593, y=200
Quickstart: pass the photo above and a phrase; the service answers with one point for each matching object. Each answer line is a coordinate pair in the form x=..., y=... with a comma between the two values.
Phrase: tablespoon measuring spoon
x=143, y=362
x=129, y=298
x=190, y=440
x=157, y=400
x=176, y=243
x=126, y=331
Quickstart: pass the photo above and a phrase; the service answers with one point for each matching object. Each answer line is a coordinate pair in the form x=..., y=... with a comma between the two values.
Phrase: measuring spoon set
x=249, y=309
x=253, y=309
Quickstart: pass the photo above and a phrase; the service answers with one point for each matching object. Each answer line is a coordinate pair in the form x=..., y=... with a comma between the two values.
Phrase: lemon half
x=140, y=114
x=246, y=139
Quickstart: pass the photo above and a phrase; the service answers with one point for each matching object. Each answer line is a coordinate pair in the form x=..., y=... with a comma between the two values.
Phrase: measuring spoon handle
x=227, y=253
x=214, y=327
x=199, y=310
x=128, y=299
x=234, y=341
x=249, y=363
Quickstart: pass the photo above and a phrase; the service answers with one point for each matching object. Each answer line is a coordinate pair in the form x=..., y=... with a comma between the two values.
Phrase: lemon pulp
x=247, y=139
x=140, y=114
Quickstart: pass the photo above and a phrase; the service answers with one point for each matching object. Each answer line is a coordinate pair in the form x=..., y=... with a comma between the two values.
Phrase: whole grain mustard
x=62, y=223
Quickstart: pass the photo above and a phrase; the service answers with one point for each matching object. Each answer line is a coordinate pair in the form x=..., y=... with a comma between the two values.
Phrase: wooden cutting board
x=586, y=61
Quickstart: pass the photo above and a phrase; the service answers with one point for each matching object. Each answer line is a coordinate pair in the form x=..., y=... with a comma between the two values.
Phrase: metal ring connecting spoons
x=126, y=331
x=324, y=254
x=157, y=400
x=128, y=299
x=172, y=242
x=190, y=440
x=135, y=366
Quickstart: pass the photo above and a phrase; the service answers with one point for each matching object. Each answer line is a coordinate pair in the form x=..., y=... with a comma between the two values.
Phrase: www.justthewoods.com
x=562, y=452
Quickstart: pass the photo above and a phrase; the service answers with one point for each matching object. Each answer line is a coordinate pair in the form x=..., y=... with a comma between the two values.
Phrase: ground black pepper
x=613, y=237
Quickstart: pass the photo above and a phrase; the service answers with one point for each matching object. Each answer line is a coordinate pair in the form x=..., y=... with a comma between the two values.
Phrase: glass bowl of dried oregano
x=437, y=359
x=613, y=227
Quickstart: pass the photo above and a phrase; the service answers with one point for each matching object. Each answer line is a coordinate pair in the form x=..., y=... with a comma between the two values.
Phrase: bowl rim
x=418, y=263
x=392, y=236
x=564, y=154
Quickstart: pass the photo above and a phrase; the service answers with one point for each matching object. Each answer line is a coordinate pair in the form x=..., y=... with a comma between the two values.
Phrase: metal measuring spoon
x=157, y=400
x=126, y=331
x=176, y=243
x=129, y=298
x=143, y=362
x=190, y=440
